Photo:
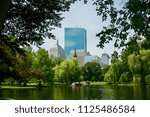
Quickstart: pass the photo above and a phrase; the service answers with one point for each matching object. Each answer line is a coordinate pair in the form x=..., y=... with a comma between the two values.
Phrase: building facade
x=75, y=38
x=80, y=54
x=57, y=51
x=105, y=59
x=92, y=59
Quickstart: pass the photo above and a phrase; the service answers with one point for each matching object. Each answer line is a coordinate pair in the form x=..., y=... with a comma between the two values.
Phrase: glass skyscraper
x=75, y=38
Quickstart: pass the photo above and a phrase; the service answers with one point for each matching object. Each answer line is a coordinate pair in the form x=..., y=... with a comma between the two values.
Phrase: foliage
x=32, y=20
x=147, y=79
x=12, y=64
x=92, y=72
x=131, y=19
x=4, y=4
x=139, y=66
x=137, y=79
x=145, y=44
x=134, y=63
x=44, y=65
x=105, y=69
x=125, y=77
x=114, y=72
x=68, y=71
x=145, y=58
x=29, y=22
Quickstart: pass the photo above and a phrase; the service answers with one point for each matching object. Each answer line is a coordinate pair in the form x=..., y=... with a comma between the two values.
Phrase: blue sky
x=82, y=16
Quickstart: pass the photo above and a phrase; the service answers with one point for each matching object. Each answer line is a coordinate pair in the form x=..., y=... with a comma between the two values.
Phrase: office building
x=80, y=54
x=75, y=38
x=57, y=51
x=105, y=59
x=92, y=59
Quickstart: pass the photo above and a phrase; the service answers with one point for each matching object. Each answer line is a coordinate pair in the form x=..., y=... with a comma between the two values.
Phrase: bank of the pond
x=95, y=83
x=58, y=83
x=17, y=87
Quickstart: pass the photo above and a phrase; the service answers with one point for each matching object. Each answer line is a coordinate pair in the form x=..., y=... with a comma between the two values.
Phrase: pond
x=63, y=92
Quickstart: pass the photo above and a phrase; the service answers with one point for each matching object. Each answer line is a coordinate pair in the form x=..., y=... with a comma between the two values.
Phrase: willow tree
x=114, y=72
x=145, y=57
x=134, y=63
x=139, y=66
x=68, y=71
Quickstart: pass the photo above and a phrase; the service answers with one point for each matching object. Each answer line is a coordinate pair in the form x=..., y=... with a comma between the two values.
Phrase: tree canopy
x=131, y=20
x=32, y=20
x=68, y=71
x=92, y=72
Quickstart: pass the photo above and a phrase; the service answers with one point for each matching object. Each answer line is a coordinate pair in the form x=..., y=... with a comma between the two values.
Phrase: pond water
x=63, y=92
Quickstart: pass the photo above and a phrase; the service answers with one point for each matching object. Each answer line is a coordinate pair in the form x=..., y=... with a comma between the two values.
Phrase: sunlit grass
x=16, y=87
x=95, y=83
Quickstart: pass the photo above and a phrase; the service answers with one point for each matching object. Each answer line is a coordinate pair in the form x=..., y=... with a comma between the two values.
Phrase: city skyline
x=77, y=17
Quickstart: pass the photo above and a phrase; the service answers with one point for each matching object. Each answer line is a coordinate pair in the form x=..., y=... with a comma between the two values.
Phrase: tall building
x=57, y=51
x=105, y=59
x=75, y=38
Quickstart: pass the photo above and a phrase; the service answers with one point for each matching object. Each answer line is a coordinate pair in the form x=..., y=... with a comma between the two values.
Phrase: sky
x=82, y=16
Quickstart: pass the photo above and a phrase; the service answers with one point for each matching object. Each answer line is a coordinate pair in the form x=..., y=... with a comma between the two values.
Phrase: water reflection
x=63, y=92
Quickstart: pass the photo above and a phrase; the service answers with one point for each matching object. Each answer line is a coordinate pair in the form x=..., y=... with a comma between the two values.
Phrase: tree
x=134, y=63
x=114, y=72
x=9, y=61
x=68, y=71
x=14, y=65
x=139, y=66
x=4, y=4
x=105, y=70
x=92, y=72
x=29, y=22
x=132, y=20
x=44, y=64
x=32, y=20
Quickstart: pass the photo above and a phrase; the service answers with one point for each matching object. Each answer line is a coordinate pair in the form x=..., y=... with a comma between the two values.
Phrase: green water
x=62, y=92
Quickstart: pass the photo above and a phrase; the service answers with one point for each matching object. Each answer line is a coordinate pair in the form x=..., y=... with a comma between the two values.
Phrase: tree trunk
x=4, y=4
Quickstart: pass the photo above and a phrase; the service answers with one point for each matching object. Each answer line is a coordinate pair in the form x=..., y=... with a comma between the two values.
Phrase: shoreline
x=43, y=86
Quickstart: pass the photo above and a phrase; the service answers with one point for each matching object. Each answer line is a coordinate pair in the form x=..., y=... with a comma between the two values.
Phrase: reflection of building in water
x=75, y=38
x=105, y=59
x=57, y=51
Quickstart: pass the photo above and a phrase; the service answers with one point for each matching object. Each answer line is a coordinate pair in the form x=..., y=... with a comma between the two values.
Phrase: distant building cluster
x=75, y=40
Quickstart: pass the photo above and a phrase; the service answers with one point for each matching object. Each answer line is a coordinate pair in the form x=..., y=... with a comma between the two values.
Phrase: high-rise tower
x=75, y=38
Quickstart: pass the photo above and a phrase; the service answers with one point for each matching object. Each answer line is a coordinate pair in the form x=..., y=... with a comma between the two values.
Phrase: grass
x=16, y=87
x=96, y=83
x=126, y=84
